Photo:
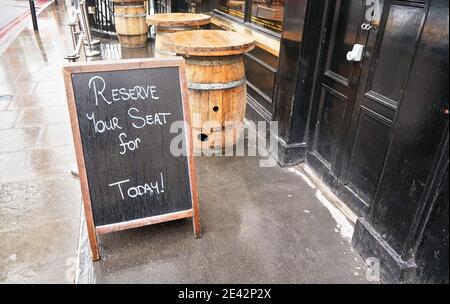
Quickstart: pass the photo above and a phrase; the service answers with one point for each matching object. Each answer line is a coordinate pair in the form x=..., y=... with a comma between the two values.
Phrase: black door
x=338, y=86
x=359, y=101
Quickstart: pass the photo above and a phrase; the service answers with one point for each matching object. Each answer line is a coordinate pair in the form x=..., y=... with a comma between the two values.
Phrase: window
x=235, y=8
x=163, y=6
x=267, y=14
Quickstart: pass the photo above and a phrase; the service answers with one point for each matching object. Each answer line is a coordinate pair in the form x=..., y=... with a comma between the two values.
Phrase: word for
x=128, y=145
x=98, y=84
x=139, y=190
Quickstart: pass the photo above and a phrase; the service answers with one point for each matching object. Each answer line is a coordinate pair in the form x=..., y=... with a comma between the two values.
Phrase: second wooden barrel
x=217, y=100
x=131, y=28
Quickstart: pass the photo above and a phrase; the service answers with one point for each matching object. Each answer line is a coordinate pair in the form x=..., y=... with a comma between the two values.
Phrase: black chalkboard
x=122, y=114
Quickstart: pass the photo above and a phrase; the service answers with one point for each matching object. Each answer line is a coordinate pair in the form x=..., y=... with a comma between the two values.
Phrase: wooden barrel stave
x=130, y=23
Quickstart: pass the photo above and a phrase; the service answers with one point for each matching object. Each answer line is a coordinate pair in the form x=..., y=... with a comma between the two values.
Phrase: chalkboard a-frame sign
x=121, y=114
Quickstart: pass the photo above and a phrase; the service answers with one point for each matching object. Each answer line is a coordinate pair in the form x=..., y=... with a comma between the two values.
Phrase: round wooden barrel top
x=208, y=43
x=178, y=19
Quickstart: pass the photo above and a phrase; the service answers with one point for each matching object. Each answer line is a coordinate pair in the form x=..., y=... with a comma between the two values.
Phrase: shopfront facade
x=375, y=130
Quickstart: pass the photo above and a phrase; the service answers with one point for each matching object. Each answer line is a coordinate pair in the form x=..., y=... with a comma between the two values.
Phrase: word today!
x=148, y=188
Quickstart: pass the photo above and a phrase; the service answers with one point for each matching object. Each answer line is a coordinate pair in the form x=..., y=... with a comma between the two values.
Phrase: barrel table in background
x=172, y=23
x=129, y=18
x=216, y=81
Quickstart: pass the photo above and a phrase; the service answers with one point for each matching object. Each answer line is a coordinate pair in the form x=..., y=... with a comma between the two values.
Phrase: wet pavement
x=39, y=200
x=260, y=224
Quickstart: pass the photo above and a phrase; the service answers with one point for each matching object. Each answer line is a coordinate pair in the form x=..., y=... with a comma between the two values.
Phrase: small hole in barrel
x=203, y=137
x=215, y=108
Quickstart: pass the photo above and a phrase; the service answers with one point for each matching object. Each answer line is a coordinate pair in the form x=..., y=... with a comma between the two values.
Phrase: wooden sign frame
x=121, y=65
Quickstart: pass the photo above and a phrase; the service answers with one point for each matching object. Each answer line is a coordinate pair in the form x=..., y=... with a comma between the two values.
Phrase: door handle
x=356, y=54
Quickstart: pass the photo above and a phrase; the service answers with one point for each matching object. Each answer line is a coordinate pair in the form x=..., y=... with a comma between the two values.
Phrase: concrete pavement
x=39, y=200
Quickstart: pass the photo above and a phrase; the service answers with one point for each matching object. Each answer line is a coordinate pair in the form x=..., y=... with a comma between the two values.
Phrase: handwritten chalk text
x=150, y=188
x=150, y=119
x=98, y=85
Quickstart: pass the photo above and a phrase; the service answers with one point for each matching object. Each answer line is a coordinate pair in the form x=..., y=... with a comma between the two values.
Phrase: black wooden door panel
x=344, y=28
x=334, y=108
x=370, y=145
x=421, y=125
x=359, y=102
x=338, y=80
x=394, y=53
x=385, y=71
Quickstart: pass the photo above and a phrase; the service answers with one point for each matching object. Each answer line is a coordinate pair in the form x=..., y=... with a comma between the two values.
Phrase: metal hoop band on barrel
x=162, y=29
x=215, y=86
x=213, y=62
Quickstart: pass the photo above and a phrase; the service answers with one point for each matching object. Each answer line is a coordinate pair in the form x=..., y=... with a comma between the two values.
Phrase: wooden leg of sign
x=196, y=215
x=92, y=233
x=95, y=252
x=195, y=209
x=197, y=226
x=94, y=247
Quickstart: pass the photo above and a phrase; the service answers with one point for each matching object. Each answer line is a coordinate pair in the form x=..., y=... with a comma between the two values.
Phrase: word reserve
x=98, y=84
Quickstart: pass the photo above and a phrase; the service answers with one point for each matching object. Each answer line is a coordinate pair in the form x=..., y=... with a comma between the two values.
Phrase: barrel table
x=172, y=23
x=129, y=19
x=216, y=82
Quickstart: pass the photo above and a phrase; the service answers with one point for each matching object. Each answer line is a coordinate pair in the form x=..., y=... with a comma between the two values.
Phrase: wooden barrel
x=215, y=77
x=131, y=28
x=217, y=100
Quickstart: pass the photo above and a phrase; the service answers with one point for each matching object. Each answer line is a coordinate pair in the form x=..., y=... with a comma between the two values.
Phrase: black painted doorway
x=357, y=101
